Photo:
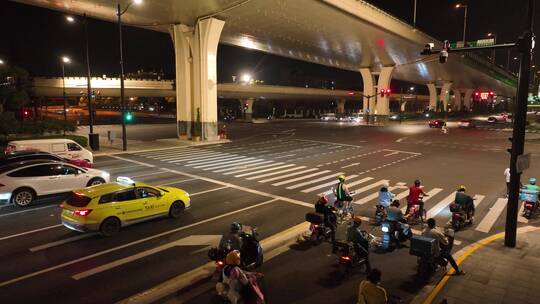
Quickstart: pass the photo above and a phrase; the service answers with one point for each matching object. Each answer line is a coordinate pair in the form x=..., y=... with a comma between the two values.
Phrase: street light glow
x=137, y=2
x=70, y=19
x=1, y=61
x=246, y=78
x=66, y=59
x=411, y=88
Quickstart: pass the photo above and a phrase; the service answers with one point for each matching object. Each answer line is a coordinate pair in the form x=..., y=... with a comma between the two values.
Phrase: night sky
x=34, y=38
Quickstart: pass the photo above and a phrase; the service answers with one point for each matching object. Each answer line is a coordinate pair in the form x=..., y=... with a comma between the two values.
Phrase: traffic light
x=491, y=94
x=385, y=92
x=128, y=117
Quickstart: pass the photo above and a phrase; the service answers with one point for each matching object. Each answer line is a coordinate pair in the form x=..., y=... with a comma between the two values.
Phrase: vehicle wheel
x=95, y=181
x=176, y=209
x=456, y=224
x=110, y=226
x=527, y=214
x=23, y=197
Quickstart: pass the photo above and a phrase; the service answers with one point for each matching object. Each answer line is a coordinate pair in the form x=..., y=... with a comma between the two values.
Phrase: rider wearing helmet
x=233, y=240
x=385, y=196
x=357, y=237
x=342, y=191
x=330, y=219
x=414, y=196
x=532, y=185
x=465, y=201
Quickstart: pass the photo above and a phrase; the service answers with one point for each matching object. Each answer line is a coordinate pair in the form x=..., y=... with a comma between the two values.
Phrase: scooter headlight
x=385, y=228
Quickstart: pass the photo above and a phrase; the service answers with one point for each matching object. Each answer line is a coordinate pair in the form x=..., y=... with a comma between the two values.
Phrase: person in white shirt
x=507, y=175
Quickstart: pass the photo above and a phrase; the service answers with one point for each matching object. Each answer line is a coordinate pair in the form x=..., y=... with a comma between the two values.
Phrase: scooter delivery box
x=314, y=218
x=423, y=246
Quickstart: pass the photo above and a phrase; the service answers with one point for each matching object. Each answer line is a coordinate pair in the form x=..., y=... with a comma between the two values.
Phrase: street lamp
x=1, y=61
x=494, y=42
x=65, y=60
x=246, y=78
x=71, y=19
x=119, y=13
x=464, y=21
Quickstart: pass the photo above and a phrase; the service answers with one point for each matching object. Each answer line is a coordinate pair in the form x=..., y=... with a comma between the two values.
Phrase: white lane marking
x=195, y=157
x=166, y=150
x=91, y=256
x=193, y=240
x=400, y=139
x=258, y=152
x=29, y=232
x=265, y=170
x=332, y=183
x=300, y=178
x=248, y=166
x=392, y=150
x=389, y=154
x=478, y=198
x=334, y=147
x=521, y=218
x=206, y=191
x=287, y=175
x=368, y=187
x=226, y=162
x=179, y=181
x=494, y=212
x=234, y=163
x=62, y=242
x=347, y=166
x=214, y=160
x=111, y=169
x=283, y=156
x=147, y=174
x=294, y=168
x=133, y=161
x=370, y=197
x=402, y=195
x=441, y=205
x=29, y=210
x=358, y=182
x=331, y=143
x=180, y=154
x=333, y=176
x=430, y=194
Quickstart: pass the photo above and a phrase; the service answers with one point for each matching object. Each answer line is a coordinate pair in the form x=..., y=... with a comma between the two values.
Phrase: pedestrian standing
x=507, y=176
x=370, y=291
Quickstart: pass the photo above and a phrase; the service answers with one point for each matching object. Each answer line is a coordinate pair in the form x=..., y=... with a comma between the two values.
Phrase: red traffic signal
x=491, y=93
x=385, y=92
x=350, y=93
x=476, y=94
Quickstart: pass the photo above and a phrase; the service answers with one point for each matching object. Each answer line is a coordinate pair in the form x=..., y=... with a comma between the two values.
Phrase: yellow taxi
x=108, y=207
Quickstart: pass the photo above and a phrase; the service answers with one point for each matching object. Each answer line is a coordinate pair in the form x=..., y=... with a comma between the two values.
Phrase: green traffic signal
x=128, y=117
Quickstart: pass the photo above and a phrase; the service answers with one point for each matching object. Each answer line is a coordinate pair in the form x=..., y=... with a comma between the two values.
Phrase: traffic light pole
x=525, y=47
x=122, y=99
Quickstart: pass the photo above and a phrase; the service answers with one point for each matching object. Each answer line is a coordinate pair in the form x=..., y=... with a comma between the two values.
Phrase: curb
x=424, y=294
x=205, y=271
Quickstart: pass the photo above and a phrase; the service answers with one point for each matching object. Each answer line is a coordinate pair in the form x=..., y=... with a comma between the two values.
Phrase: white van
x=66, y=148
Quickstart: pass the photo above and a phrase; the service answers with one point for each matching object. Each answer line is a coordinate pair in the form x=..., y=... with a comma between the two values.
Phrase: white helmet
x=385, y=185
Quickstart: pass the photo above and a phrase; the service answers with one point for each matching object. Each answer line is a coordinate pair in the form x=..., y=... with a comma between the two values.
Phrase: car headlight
x=5, y=196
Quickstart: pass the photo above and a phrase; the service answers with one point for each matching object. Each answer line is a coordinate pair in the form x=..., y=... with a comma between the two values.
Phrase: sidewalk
x=495, y=273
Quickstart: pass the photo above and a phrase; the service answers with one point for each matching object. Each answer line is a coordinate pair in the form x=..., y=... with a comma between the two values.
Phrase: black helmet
x=236, y=227
x=417, y=182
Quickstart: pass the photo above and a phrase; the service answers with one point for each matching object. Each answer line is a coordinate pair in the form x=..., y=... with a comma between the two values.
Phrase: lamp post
x=464, y=21
x=414, y=16
x=119, y=13
x=65, y=60
x=71, y=19
x=494, y=42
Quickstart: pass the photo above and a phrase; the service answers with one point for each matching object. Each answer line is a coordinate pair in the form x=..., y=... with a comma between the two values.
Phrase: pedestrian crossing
x=316, y=180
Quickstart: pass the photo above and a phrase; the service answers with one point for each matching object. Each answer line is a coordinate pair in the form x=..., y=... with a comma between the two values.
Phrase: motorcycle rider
x=385, y=196
x=396, y=218
x=433, y=231
x=414, y=196
x=233, y=240
x=532, y=185
x=465, y=201
x=361, y=244
x=342, y=191
x=330, y=220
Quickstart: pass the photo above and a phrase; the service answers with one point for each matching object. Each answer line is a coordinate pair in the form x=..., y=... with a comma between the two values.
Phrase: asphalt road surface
x=268, y=177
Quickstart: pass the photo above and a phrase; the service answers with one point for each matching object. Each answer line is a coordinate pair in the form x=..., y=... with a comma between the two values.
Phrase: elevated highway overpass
x=366, y=40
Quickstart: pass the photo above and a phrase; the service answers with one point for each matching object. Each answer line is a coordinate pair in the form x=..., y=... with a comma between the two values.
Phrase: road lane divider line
x=62, y=242
x=491, y=217
x=205, y=271
x=139, y=241
x=330, y=143
x=133, y=161
x=7, y=237
x=148, y=174
x=390, y=154
x=207, y=191
x=178, y=181
x=400, y=151
x=28, y=210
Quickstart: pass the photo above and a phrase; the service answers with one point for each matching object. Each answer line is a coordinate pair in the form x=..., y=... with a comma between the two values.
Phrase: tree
x=15, y=88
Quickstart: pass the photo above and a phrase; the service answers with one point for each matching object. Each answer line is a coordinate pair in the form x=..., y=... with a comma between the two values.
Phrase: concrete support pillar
x=445, y=94
x=432, y=96
x=341, y=106
x=458, y=101
x=196, y=73
x=402, y=106
x=247, y=105
x=385, y=78
x=467, y=98
x=369, y=89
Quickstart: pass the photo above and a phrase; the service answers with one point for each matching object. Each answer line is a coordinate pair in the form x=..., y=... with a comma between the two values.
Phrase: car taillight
x=82, y=212
x=9, y=149
x=220, y=264
x=315, y=226
x=344, y=258
x=61, y=205
x=528, y=205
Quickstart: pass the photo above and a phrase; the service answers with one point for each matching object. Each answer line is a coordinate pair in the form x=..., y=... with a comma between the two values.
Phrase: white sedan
x=21, y=183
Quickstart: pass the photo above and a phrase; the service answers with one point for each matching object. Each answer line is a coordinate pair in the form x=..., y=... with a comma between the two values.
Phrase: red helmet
x=323, y=200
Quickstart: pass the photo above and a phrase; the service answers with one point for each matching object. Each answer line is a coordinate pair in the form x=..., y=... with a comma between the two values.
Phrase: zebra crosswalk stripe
x=213, y=160
x=165, y=151
x=314, y=188
x=190, y=157
x=255, y=166
x=441, y=205
x=224, y=162
x=333, y=176
x=287, y=175
x=264, y=170
x=181, y=154
x=300, y=178
x=368, y=187
x=487, y=222
x=370, y=197
x=275, y=173
x=233, y=163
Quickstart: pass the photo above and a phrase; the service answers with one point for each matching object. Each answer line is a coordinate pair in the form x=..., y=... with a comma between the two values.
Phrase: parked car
x=21, y=183
x=66, y=148
x=329, y=117
x=19, y=156
x=436, y=123
x=467, y=124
